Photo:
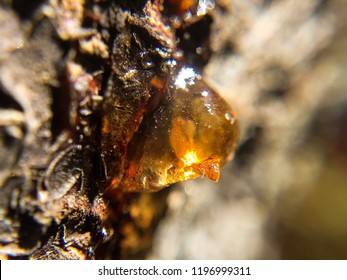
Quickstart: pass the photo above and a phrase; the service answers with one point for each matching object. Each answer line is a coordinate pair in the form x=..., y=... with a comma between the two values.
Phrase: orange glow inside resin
x=192, y=134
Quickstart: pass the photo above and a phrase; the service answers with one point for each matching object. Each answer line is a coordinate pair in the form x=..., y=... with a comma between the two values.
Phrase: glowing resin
x=190, y=135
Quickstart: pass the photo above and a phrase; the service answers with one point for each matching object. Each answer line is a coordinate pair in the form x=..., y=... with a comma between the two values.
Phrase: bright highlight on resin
x=191, y=134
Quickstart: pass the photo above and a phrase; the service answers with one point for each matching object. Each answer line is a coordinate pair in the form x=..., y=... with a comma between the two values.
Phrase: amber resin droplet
x=182, y=6
x=190, y=135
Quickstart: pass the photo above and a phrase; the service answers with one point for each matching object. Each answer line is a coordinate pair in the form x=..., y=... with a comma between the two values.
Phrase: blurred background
x=282, y=67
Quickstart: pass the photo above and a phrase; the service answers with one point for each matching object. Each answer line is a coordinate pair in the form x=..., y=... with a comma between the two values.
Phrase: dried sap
x=191, y=135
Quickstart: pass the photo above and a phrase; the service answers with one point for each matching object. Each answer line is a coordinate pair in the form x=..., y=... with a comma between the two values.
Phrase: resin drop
x=191, y=134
